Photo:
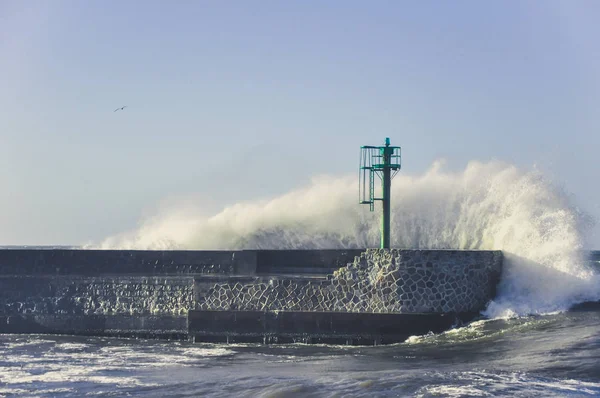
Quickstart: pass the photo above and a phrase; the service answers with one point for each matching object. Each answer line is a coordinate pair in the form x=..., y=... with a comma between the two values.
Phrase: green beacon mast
x=383, y=161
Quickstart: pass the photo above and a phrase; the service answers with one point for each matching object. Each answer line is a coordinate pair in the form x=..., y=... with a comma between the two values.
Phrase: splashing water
x=487, y=206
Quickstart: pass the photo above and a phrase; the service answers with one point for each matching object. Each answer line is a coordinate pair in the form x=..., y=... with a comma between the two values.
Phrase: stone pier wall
x=379, y=281
x=131, y=295
x=152, y=293
x=128, y=292
x=122, y=305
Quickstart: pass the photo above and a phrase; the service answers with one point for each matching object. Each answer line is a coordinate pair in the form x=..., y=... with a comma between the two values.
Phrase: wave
x=486, y=206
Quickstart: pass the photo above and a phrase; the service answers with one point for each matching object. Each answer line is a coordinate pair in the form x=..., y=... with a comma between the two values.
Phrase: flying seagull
x=120, y=109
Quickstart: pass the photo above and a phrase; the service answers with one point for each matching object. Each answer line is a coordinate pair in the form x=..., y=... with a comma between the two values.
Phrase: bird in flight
x=120, y=109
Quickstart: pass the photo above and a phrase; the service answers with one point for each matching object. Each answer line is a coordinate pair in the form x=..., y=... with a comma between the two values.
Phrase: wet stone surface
x=96, y=295
x=384, y=281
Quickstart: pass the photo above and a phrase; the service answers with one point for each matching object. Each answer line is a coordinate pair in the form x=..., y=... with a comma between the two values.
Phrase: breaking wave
x=485, y=206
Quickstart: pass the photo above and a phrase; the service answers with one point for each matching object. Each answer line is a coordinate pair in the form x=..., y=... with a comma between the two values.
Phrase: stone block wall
x=123, y=295
x=145, y=293
x=379, y=281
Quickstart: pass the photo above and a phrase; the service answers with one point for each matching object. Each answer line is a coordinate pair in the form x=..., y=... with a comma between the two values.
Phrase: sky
x=240, y=100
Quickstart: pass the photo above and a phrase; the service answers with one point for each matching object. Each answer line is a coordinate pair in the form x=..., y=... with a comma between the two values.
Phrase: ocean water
x=554, y=355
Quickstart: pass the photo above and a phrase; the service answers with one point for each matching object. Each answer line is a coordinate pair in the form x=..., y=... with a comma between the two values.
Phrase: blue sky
x=241, y=100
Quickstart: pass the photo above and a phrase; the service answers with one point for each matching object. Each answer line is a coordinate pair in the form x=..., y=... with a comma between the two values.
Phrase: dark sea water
x=547, y=356
x=552, y=355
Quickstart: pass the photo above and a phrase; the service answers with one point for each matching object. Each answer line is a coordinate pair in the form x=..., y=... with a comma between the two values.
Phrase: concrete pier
x=355, y=296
